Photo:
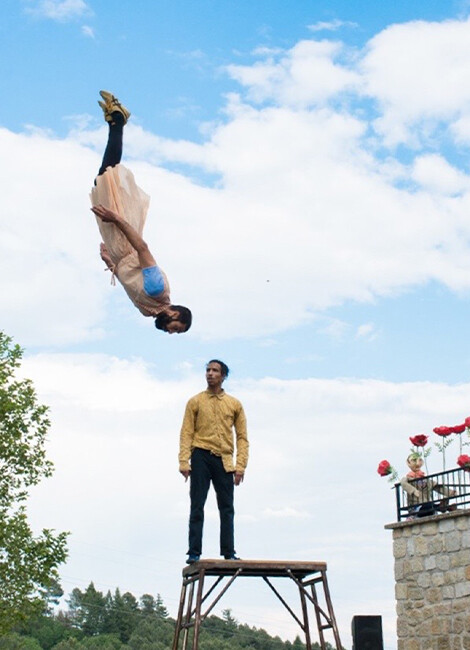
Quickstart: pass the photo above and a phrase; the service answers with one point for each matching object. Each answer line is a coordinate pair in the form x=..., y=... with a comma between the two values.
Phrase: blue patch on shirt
x=153, y=281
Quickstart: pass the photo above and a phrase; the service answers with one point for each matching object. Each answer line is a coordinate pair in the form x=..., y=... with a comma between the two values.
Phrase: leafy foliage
x=28, y=564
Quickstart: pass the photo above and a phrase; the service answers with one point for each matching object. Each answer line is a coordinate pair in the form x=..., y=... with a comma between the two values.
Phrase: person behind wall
x=120, y=207
x=420, y=490
x=206, y=456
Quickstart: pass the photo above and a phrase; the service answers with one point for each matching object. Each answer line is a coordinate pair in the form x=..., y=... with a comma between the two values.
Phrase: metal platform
x=309, y=577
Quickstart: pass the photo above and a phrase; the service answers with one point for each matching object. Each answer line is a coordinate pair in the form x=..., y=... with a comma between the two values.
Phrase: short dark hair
x=184, y=316
x=223, y=366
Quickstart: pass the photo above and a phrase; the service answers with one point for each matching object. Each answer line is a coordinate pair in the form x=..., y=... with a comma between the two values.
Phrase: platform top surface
x=267, y=568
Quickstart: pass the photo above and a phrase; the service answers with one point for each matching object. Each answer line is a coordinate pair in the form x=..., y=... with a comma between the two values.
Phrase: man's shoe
x=192, y=559
x=232, y=556
x=111, y=105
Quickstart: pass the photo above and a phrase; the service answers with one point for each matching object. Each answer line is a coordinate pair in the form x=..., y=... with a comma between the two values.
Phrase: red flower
x=443, y=431
x=463, y=461
x=420, y=440
x=467, y=422
x=384, y=468
x=459, y=428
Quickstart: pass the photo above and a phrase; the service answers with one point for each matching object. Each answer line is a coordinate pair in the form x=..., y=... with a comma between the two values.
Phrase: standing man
x=206, y=454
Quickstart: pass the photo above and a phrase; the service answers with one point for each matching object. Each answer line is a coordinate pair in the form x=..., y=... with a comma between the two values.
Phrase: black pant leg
x=223, y=485
x=113, y=152
x=200, y=479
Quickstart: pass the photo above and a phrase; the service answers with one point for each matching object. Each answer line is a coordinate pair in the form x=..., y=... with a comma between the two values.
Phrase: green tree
x=148, y=605
x=160, y=609
x=28, y=564
x=15, y=641
x=122, y=615
x=88, y=610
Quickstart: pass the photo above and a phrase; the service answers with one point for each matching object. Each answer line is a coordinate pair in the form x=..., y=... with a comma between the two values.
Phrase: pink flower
x=419, y=441
x=463, y=461
x=467, y=422
x=384, y=468
x=459, y=428
x=443, y=431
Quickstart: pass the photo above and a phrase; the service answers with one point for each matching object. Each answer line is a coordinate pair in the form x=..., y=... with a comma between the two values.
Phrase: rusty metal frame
x=191, y=616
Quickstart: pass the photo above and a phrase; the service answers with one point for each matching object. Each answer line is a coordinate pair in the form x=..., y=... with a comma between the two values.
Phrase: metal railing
x=433, y=495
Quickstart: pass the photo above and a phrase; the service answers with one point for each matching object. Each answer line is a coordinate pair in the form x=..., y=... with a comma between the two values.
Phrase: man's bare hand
x=238, y=478
x=185, y=473
x=104, y=214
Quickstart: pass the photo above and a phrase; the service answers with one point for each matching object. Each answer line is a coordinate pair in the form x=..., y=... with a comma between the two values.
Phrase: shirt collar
x=218, y=395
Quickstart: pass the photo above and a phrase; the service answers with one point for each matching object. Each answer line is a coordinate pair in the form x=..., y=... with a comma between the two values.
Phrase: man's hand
x=238, y=478
x=104, y=214
x=185, y=473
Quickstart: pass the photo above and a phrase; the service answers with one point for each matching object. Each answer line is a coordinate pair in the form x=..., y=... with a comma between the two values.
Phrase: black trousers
x=113, y=152
x=206, y=467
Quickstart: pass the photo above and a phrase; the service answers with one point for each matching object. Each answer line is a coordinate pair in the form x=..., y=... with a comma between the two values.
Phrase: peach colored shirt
x=117, y=190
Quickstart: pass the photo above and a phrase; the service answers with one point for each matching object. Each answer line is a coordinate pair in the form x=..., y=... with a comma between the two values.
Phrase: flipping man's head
x=175, y=319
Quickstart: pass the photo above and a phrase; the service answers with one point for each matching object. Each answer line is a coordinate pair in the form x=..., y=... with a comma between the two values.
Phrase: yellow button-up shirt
x=208, y=423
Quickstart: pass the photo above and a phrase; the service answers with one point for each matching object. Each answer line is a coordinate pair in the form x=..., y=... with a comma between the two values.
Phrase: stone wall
x=432, y=582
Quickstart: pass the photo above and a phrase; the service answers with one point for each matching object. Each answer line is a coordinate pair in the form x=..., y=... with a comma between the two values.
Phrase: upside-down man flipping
x=121, y=209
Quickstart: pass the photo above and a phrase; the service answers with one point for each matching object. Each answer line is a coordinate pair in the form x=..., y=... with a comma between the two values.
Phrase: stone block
x=429, y=563
x=398, y=570
x=466, y=539
x=434, y=595
x=415, y=593
x=463, y=523
x=403, y=629
x=461, y=605
x=423, y=579
x=462, y=558
x=401, y=591
x=417, y=565
x=421, y=546
x=448, y=591
x=410, y=546
x=436, y=544
x=446, y=525
x=452, y=576
x=466, y=642
x=399, y=548
x=462, y=589
x=439, y=625
x=438, y=578
x=443, y=562
x=430, y=528
x=458, y=624
x=443, y=643
x=456, y=643
x=453, y=541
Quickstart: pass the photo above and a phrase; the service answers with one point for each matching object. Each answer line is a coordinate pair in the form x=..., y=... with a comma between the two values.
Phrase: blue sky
x=308, y=169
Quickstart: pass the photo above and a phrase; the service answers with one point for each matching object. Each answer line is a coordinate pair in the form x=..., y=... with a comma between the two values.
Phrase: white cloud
x=367, y=331
x=418, y=74
x=88, y=31
x=435, y=173
x=315, y=446
x=58, y=10
x=305, y=75
x=330, y=26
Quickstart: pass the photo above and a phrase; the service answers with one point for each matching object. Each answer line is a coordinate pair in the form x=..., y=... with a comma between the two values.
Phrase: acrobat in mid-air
x=121, y=209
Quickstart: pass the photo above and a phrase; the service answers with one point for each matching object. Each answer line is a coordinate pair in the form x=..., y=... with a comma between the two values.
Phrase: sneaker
x=232, y=556
x=111, y=105
x=192, y=559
